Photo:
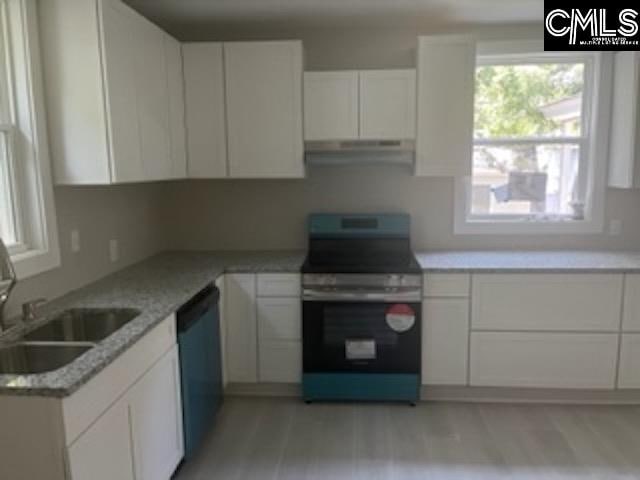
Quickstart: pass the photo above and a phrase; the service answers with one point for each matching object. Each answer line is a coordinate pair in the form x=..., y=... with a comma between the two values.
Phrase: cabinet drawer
x=446, y=284
x=629, y=375
x=278, y=285
x=279, y=319
x=551, y=360
x=557, y=302
x=281, y=361
x=88, y=403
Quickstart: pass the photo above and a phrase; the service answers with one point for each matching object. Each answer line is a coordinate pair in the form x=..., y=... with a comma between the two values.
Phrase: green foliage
x=509, y=97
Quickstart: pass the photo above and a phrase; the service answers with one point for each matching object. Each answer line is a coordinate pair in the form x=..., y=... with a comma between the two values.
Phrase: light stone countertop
x=556, y=261
x=160, y=285
x=157, y=287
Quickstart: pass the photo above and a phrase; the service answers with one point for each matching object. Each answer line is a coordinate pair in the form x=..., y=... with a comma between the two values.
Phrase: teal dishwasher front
x=198, y=324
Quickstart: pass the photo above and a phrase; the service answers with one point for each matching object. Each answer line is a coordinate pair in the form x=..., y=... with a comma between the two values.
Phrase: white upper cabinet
x=331, y=105
x=360, y=105
x=153, y=107
x=175, y=83
x=114, y=93
x=264, y=109
x=444, y=137
x=388, y=104
x=205, y=110
x=624, y=171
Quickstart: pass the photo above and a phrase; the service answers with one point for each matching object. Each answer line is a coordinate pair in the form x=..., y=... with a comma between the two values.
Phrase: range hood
x=360, y=152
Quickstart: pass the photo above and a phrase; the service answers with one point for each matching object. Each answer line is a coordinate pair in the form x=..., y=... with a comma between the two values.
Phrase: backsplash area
x=129, y=214
x=258, y=214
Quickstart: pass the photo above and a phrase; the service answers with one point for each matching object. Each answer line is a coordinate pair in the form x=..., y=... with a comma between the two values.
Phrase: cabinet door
x=104, y=452
x=205, y=110
x=153, y=106
x=119, y=31
x=560, y=302
x=331, y=105
x=264, y=109
x=240, y=309
x=546, y=360
x=625, y=132
x=388, y=104
x=629, y=375
x=445, y=341
x=631, y=317
x=280, y=339
x=156, y=420
x=444, y=131
x=175, y=85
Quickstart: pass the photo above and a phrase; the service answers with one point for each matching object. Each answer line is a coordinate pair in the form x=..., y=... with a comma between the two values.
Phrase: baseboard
x=529, y=395
x=468, y=394
x=264, y=389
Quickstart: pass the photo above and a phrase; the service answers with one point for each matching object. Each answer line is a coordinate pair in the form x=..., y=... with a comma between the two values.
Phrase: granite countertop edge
x=161, y=284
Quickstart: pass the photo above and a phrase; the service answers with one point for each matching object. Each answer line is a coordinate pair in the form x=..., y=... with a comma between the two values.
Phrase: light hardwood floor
x=278, y=438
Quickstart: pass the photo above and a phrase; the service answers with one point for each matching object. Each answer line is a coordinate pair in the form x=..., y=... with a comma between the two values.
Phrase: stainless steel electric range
x=361, y=304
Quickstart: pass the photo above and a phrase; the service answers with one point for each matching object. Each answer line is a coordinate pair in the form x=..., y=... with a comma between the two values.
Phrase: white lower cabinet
x=629, y=376
x=126, y=422
x=241, y=329
x=545, y=302
x=156, y=420
x=445, y=341
x=279, y=339
x=263, y=321
x=551, y=360
x=104, y=451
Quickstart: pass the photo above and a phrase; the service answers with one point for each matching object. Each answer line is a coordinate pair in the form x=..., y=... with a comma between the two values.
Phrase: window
x=27, y=214
x=536, y=163
x=9, y=226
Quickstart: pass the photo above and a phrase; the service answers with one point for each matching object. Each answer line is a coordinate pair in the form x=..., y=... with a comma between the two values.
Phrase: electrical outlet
x=75, y=240
x=615, y=227
x=114, y=252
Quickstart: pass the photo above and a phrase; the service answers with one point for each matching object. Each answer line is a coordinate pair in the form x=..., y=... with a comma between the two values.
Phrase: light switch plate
x=114, y=251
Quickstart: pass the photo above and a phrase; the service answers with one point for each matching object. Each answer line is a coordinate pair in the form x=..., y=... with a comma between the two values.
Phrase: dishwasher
x=198, y=327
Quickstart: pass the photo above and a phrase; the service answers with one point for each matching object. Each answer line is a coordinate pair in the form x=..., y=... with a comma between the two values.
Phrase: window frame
x=593, y=143
x=37, y=248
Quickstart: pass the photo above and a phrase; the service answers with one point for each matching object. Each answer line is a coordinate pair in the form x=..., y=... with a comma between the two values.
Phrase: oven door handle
x=359, y=296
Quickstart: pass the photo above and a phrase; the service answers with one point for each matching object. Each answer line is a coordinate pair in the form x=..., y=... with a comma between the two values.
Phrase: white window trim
x=598, y=137
x=39, y=249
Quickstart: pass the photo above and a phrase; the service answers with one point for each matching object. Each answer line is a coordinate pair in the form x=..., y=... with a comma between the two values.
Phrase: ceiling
x=178, y=15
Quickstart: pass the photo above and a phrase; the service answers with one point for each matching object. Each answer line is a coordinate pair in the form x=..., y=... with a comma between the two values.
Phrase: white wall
x=258, y=214
x=129, y=213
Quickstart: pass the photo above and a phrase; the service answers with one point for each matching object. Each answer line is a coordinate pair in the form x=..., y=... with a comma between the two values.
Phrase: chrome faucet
x=8, y=280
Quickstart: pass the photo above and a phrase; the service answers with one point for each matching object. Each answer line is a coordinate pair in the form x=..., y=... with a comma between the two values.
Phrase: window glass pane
x=526, y=179
x=531, y=100
x=7, y=220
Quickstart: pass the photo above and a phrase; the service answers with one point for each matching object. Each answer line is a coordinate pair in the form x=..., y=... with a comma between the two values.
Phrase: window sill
x=33, y=262
x=567, y=227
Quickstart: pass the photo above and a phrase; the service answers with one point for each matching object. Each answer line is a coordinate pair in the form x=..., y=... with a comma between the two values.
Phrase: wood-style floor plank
x=284, y=439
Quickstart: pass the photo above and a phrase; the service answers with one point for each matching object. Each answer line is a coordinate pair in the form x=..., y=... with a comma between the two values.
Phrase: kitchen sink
x=82, y=325
x=24, y=358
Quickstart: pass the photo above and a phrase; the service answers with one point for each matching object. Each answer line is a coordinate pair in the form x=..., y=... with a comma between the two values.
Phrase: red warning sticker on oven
x=400, y=317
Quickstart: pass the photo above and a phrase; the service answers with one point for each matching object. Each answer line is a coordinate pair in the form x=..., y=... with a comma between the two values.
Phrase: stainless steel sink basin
x=24, y=358
x=82, y=325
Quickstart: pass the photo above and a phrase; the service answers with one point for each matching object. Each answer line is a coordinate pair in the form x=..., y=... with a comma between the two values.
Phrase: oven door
x=362, y=337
